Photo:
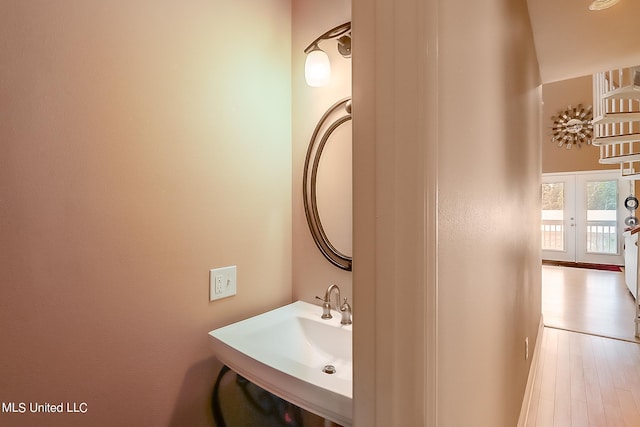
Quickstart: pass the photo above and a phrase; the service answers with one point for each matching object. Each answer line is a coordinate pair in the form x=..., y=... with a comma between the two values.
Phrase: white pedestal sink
x=286, y=352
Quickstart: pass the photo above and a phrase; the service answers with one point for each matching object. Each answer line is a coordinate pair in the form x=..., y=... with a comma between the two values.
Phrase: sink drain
x=329, y=369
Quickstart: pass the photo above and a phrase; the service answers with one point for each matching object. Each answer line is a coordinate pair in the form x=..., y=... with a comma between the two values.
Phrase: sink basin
x=286, y=352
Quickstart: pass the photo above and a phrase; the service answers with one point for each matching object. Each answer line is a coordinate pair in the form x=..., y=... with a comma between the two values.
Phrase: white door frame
x=573, y=226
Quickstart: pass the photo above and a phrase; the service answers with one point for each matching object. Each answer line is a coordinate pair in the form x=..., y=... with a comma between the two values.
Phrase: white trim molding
x=395, y=125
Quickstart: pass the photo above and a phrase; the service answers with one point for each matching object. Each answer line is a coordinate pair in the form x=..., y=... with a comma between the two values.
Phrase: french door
x=581, y=221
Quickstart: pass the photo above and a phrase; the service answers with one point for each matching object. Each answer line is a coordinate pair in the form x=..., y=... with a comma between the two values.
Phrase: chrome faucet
x=344, y=309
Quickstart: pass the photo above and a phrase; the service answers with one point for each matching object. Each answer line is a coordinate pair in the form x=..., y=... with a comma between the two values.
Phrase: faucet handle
x=345, y=309
x=326, y=308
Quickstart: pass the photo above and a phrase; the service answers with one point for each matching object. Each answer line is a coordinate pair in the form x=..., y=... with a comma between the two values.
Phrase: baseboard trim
x=528, y=392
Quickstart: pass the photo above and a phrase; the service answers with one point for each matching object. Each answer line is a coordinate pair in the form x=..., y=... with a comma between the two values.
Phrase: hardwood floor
x=584, y=379
x=591, y=301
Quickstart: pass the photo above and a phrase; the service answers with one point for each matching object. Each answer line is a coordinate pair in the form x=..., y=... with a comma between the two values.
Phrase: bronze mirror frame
x=323, y=131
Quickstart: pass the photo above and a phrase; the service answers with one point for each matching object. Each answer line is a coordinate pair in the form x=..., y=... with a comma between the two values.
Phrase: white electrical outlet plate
x=222, y=282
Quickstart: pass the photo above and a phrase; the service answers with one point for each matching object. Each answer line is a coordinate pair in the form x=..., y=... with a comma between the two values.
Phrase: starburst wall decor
x=573, y=127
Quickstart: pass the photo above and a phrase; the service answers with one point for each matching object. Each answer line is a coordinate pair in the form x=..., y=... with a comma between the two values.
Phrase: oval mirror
x=327, y=184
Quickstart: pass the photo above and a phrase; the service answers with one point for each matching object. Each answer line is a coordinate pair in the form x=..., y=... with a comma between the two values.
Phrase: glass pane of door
x=552, y=226
x=558, y=221
x=602, y=219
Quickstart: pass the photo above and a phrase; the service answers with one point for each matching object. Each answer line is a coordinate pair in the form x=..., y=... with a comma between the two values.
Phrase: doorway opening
x=581, y=219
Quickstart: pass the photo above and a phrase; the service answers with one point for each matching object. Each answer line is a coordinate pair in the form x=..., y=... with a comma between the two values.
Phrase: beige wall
x=489, y=163
x=312, y=273
x=447, y=167
x=143, y=143
x=557, y=97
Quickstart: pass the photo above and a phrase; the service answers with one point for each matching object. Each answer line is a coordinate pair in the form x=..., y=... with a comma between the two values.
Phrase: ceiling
x=572, y=41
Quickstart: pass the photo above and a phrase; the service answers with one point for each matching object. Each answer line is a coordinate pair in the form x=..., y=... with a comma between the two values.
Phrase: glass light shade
x=317, y=68
x=602, y=4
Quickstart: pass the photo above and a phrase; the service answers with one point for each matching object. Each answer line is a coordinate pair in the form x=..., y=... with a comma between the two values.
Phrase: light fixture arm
x=342, y=33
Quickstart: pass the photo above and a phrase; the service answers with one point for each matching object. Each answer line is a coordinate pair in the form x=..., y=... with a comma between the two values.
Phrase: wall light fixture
x=602, y=4
x=317, y=68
